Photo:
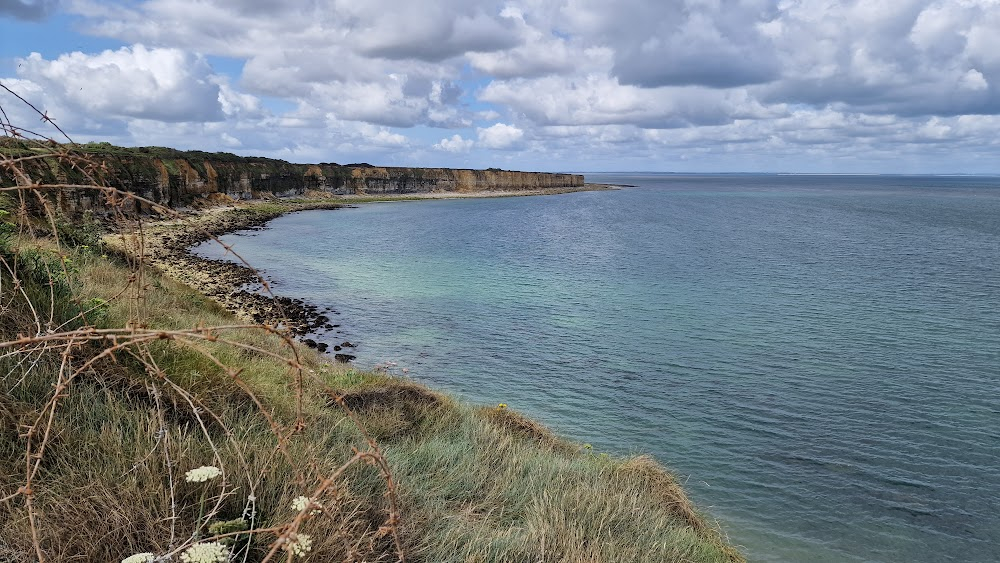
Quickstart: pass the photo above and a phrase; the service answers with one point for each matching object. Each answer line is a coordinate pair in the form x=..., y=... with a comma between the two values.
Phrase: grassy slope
x=474, y=484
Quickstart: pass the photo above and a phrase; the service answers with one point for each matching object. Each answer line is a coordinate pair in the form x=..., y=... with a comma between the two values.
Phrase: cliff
x=178, y=178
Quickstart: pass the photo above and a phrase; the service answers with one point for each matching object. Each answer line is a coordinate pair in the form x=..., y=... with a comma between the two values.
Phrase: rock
x=322, y=346
x=337, y=348
x=343, y=358
x=310, y=342
x=347, y=344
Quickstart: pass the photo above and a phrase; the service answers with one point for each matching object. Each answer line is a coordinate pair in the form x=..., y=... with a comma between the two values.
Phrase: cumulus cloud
x=499, y=136
x=382, y=137
x=907, y=58
x=161, y=84
x=230, y=140
x=332, y=53
x=235, y=103
x=601, y=100
x=454, y=144
x=430, y=31
x=698, y=43
x=973, y=80
x=538, y=52
x=576, y=79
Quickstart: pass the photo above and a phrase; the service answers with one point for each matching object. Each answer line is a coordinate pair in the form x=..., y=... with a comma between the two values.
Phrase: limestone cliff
x=178, y=178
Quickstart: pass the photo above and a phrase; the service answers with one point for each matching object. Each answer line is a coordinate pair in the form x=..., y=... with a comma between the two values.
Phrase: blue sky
x=899, y=86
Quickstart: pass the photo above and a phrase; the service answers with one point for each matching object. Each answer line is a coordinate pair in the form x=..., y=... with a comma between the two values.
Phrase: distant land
x=176, y=178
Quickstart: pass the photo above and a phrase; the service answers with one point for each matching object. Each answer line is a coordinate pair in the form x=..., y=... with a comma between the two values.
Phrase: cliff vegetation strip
x=141, y=420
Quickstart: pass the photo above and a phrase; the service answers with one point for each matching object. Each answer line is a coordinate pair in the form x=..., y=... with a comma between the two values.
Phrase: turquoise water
x=816, y=356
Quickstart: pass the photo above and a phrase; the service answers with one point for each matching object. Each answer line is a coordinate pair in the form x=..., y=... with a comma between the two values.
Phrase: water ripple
x=817, y=356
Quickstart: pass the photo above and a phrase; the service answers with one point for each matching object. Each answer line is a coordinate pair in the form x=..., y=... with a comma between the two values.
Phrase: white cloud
x=586, y=80
x=163, y=84
x=236, y=103
x=382, y=137
x=499, y=136
x=601, y=100
x=455, y=144
x=430, y=31
x=973, y=80
x=907, y=58
x=229, y=140
x=537, y=52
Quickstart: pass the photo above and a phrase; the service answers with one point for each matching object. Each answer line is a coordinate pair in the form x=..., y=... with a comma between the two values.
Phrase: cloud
x=973, y=80
x=499, y=136
x=538, y=52
x=229, y=140
x=28, y=9
x=906, y=58
x=700, y=44
x=454, y=144
x=430, y=31
x=600, y=100
x=162, y=84
x=669, y=81
x=382, y=137
x=235, y=103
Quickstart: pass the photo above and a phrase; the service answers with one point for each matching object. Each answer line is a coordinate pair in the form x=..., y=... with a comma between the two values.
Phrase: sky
x=814, y=86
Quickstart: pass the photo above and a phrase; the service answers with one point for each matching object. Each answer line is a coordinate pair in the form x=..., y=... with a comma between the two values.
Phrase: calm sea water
x=818, y=357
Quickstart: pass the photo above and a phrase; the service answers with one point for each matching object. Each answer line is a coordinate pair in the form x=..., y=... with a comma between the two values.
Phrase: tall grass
x=117, y=382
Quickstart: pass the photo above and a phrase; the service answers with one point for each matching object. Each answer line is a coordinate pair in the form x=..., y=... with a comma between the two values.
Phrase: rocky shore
x=166, y=246
x=167, y=243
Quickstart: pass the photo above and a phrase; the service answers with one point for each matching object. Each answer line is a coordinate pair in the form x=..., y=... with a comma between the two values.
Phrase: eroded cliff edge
x=178, y=178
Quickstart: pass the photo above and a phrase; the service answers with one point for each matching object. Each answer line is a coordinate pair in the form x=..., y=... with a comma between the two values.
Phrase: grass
x=473, y=484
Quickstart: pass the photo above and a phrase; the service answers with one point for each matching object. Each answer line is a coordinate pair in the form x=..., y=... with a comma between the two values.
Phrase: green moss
x=171, y=166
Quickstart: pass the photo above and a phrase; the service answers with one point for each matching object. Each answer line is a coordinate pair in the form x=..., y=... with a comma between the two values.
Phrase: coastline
x=544, y=477
x=239, y=288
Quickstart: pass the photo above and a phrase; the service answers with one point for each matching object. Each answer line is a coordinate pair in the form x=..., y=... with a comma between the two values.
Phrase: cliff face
x=179, y=178
x=415, y=180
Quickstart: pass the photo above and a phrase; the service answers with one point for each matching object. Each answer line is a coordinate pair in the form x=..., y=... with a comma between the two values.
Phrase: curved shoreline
x=238, y=287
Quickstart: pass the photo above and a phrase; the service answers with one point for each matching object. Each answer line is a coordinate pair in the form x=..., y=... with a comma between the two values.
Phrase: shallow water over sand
x=816, y=356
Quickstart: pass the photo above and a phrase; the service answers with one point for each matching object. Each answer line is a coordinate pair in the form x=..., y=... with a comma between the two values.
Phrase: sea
x=817, y=358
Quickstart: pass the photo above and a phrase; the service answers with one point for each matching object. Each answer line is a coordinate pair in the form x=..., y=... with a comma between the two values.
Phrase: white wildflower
x=140, y=558
x=301, y=544
x=207, y=552
x=202, y=474
x=300, y=503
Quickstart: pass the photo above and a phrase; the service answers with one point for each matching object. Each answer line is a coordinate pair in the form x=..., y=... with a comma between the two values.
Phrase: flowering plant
x=206, y=552
x=301, y=544
x=202, y=474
